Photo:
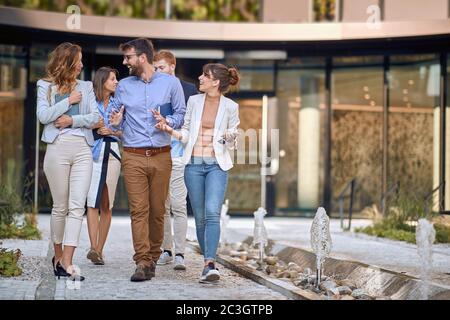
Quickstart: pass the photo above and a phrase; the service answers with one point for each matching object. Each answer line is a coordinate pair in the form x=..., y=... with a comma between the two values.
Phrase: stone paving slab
x=29, y=248
x=17, y=289
x=112, y=281
x=32, y=261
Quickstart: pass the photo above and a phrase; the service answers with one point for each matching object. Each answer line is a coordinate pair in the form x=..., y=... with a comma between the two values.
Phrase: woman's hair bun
x=234, y=76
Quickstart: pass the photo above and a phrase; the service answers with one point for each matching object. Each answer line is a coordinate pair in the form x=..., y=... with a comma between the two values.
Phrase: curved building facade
x=363, y=98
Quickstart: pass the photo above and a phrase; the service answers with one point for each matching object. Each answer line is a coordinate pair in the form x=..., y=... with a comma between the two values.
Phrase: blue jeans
x=206, y=184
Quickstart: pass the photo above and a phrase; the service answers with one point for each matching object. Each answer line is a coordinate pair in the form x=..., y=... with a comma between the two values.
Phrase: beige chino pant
x=147, y=182
x=68, y=168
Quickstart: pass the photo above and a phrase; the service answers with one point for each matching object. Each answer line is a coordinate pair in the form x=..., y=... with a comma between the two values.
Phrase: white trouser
x=176, y=202
x=68, y=168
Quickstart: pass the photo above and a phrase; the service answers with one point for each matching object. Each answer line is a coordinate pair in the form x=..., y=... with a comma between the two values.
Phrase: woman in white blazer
x=209, y=131
x=67, y=108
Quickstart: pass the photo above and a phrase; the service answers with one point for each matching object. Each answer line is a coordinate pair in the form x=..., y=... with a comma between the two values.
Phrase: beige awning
x=220, y=31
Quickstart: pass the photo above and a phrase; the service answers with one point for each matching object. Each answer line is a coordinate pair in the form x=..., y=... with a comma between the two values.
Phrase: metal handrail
x=429, y=195
x=394, y=188
x=351, y=184
x=341, y=195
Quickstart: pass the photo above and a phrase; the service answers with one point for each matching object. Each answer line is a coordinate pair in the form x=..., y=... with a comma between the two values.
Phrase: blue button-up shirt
x=177, y=148
x=189, y=90
x=104, y=113
x=139, y=98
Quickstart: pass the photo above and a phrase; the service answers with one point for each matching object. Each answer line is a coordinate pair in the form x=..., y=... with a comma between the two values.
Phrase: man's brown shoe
x=142, y=273
x=151, y=270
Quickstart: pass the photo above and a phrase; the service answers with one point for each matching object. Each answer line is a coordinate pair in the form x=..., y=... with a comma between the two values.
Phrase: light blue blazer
x=48, y=111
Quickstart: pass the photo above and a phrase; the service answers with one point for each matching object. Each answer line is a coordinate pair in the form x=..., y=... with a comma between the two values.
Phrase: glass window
x=13, y=74
x=301, y=105
x=414, y=82
x=244, y=181
x=256, y=75
x=357, y=99
x=13, y=82
x=413, y=153
x=38, y=60
x=447, y=140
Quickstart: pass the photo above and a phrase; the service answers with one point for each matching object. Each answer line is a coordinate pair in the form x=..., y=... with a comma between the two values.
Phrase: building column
x=308, y=144
x=447, y=160
x=436, y=156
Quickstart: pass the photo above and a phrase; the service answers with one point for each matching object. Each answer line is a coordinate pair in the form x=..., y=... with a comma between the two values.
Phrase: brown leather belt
x=147, y=151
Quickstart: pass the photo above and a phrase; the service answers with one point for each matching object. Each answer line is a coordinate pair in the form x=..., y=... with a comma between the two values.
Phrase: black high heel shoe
x=54, y=267
x=61, y=272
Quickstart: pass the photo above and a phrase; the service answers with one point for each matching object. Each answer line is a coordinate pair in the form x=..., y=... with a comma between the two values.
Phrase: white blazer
x=227, y=121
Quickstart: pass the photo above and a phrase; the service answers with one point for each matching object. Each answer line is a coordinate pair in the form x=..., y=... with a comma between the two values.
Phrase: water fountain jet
x=224, y=219
x=260, y=232
x=425, y=236
x=320, y=240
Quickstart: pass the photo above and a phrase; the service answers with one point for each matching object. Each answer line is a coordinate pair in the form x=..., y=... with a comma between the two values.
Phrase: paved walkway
x=32, y=262
x=112, y=281
x=393, y=255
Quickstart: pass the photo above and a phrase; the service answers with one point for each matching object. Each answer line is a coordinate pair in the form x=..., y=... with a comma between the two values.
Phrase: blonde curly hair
x=61, y=67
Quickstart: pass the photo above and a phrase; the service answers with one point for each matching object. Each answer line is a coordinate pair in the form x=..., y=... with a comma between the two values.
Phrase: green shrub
x=385, y=231
x=8, y=262
x=403, y=211
x=11, y=204
x=400, y=235
x=407, y=207
x=28, y=231
x=243, y=10
x=404, y=233
x=442, y=233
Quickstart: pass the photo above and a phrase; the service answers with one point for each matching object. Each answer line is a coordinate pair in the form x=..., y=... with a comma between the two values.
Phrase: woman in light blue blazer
x=67, y=108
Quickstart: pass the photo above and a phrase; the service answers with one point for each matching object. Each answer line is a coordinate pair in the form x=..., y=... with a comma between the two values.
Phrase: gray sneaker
x=164, y=258
x=210, y=274
x=179, y=263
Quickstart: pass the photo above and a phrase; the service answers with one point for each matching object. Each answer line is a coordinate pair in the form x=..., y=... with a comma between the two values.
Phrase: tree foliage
x=199, y=10
x=324, y=10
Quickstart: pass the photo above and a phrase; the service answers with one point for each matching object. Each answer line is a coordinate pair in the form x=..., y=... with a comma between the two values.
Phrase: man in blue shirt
x=146, y=160
x=165, y=62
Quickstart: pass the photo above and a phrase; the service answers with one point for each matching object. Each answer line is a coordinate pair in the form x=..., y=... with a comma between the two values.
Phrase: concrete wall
x=286, y=10
x=227, y=31
x=403, y=10
x=356, y=10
